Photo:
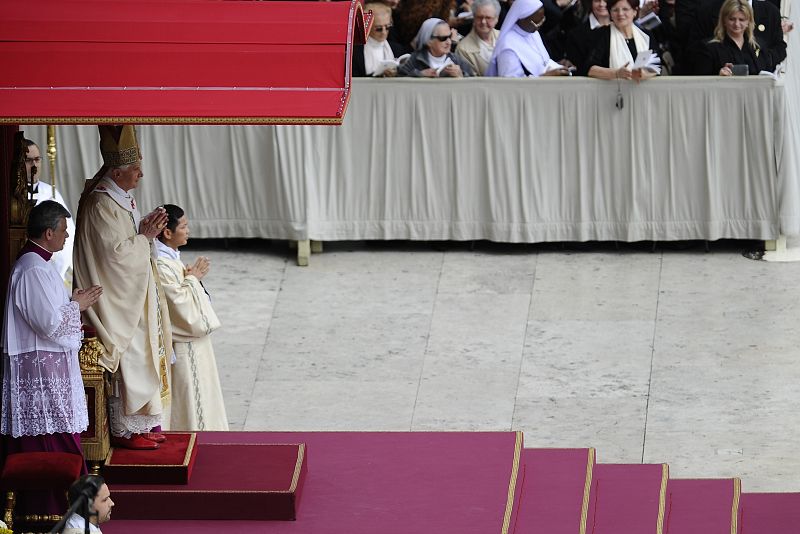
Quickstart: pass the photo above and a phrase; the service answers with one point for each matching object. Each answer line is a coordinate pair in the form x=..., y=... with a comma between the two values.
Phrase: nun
x=519, y=51
x=432, y=56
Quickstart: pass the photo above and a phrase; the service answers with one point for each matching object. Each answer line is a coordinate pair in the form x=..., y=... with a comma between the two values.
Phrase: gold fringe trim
x=587, y=489
x=298, y=466
x=662, y=499
x=512, y=483
x=177, y=120
x=737, y=493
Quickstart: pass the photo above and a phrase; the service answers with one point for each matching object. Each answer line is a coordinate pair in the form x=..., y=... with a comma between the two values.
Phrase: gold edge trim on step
x=189, y=448
x=662, y=498
x=587, y=489
x=512, y=483
x=737, y=492
x=301, y=450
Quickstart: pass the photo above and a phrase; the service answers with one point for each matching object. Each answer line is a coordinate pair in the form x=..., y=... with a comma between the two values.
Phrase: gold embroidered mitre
x=118, y=145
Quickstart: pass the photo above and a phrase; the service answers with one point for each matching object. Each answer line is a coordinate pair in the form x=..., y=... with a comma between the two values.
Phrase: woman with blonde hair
x=734, y=43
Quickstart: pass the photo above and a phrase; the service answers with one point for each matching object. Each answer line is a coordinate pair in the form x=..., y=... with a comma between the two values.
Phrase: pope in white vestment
x=114, y=249
x=197, y=402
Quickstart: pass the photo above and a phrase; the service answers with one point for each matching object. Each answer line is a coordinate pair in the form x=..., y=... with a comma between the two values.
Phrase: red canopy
x=177, y=61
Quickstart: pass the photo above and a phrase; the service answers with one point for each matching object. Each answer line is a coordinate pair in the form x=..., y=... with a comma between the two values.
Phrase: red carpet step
x=171, y=463
x=770, y=513
x=629, y=499
x=248, y=481
x=704, y=506
x=375, y=483
x=555, y=490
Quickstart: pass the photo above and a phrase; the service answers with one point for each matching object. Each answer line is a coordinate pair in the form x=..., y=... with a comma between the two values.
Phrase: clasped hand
x=153, y=223
x=200, y=267
x=87, y=297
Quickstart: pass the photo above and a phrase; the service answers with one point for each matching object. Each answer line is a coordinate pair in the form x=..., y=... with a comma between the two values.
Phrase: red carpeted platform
x=386, y=482
x=555, y=490
x=257, y=481
x=704, y=506
x=465, y=482
x=770, y=513
x=171, y=463
x=629, y=499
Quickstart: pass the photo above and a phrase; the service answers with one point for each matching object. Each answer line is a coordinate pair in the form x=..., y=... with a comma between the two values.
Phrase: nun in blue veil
x=519, y=51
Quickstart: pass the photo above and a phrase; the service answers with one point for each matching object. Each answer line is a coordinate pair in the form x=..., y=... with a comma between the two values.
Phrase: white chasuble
x=130, y=318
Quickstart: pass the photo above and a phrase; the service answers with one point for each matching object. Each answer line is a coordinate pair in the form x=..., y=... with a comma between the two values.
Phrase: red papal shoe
x=154, y=436
x=136, y=442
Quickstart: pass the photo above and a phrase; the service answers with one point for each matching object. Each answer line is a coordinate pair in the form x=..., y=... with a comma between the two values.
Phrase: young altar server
x=197, y=402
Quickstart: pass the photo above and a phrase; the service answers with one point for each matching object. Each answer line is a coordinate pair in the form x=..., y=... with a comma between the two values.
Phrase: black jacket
x=713, y=55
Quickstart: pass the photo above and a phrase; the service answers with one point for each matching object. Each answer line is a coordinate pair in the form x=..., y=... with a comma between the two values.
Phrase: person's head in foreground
x=96, y=490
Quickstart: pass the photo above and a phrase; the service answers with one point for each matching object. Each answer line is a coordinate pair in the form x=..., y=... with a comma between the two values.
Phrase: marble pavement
x=673, y=355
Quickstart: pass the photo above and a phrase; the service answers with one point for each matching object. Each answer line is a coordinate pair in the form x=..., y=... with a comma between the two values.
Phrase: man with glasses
x=477, y=47
x=41, y=191
x=369, y=59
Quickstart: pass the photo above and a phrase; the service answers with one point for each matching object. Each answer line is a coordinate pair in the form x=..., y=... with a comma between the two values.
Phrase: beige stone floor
x=676, y=355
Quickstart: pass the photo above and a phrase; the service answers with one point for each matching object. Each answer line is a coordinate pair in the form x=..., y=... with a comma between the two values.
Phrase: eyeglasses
x=485, y=19
x=33, y=160
x=539, y=24
x=385, y=27
x=441, y=38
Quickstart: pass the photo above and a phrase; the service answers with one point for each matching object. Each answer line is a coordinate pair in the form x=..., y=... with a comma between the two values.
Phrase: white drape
x=499, y=159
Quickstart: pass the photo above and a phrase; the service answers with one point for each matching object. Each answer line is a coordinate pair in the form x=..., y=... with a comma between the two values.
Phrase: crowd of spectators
x=596, y=38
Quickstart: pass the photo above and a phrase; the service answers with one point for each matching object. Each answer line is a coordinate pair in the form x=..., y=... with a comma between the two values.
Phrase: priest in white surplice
x=43, y=406
x=197, y=402
x=114, y=248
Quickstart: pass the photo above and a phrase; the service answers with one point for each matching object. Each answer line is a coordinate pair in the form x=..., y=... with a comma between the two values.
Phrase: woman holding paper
x=432, y=57
x=621, y=47
x=377, y=56
x=734, y=43
x=519, y=51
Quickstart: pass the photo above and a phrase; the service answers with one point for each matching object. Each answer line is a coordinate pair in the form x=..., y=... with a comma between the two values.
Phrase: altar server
x=197, y=402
